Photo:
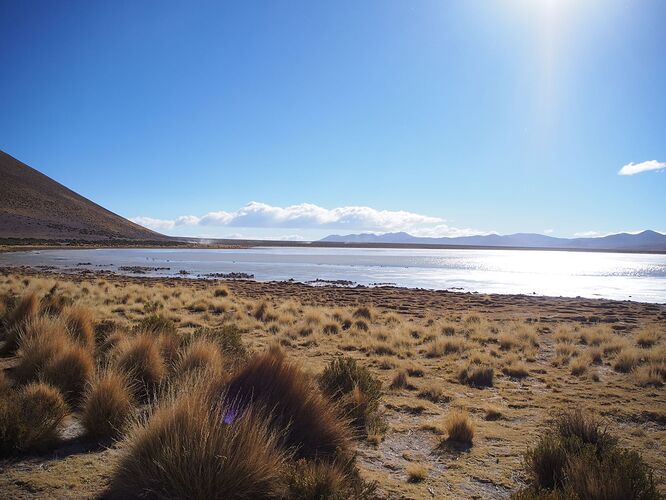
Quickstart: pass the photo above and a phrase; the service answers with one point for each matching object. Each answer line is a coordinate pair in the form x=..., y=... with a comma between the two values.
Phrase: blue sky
x=301, y=119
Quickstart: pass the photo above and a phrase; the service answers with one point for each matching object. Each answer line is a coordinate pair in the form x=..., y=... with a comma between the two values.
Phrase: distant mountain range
x=647, y=241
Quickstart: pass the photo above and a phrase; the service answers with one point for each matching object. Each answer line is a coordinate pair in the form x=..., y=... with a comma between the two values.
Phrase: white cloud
x=590, y=234
x=310, y=216
x=151, y=223
x=548, y=231
x=637, y=168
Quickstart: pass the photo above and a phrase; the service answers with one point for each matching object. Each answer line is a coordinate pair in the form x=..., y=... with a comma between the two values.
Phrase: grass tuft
x=308, y=423
x=108, y=405
x=185, y=449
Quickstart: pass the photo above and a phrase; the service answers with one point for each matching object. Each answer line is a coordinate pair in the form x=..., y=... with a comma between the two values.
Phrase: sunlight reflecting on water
x=557, y=273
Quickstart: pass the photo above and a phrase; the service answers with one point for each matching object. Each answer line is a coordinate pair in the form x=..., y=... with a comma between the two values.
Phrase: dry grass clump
x=221, y=292
x=433, y=392
x=514, y=367
x=652, y=374
x=357, y=389
x=595, y=355
x=626, y=361
x=442, y=346
x=40, y=341
x=70, y=370
x=364, y=312
x=577, y=458
x=23, y=311
x=263, y=312
x=648, y=336
x=42, y=409
x=15, y=318
x=139, y=357
x=459, y=427
x=108, y=405
x=201, y=355
x=30, y=418
x=307, y=422
x=596, y=336
x=416, y=472
x=186, y=449
x=308, y=479
x=564, y=335
x=579, y=366
x=331, y=329
x=401, y=381
x=79, y=321
x=476, y=373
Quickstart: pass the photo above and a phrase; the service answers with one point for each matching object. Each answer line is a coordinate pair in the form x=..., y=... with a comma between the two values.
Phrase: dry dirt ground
x=547, y=354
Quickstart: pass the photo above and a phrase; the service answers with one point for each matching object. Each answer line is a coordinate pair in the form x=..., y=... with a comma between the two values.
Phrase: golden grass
x=186, y=450
x=416, y=472
x=139, y=357
x=79, y=322
x=42, y=409
x=70, y=370
x=309, y=424
x=459, y=427
x=201, y=355
x=39, y=342
x=108, y=405
x=392, y=345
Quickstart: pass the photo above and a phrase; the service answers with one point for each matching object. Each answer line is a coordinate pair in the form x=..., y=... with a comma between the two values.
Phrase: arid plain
x=501, y=367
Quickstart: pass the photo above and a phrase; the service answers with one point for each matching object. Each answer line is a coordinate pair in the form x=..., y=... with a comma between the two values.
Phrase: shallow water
x=640, y=277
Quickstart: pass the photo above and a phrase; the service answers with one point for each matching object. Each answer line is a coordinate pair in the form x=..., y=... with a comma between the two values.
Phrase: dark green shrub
x=578, y=458
x=229, y=339
x=357, y=389
x=156, y=324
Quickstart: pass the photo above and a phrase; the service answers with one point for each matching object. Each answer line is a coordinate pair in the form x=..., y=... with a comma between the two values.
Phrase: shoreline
x=246, y=244
x=409, y=301
x=314, y=284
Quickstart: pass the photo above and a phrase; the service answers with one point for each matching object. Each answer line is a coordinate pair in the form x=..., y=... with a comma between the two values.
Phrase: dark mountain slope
x=33, y=205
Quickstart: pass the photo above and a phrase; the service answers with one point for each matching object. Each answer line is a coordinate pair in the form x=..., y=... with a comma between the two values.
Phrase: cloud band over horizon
x=310, y=216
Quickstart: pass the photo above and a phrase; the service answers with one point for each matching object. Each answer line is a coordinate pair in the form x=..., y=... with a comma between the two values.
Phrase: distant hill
x=647, y=241
x=33, y=205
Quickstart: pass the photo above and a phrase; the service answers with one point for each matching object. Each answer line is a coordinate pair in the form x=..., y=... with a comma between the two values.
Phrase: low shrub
x=229, y=339
x=156, y=324
x=309, y=479
x=356, y=388
x=577, y=458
